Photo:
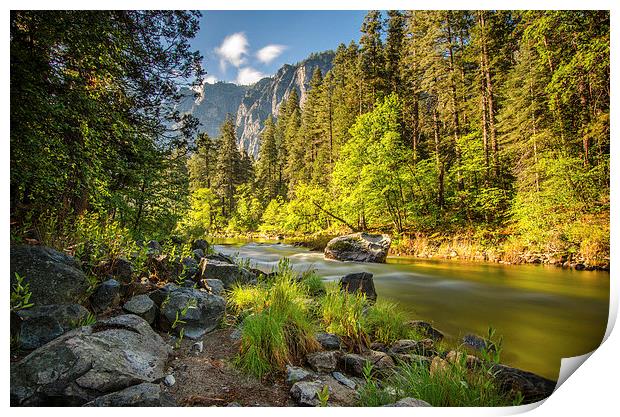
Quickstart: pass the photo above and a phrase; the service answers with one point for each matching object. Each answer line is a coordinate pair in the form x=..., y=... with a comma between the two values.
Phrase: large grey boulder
x=89, y=362
x=214, y=286
x=358, y=247
x=42, y=324
x=361, y=282
x=143, y=306
x=54, y=278
x=229, y=274
x=200, y=311
x=106, y=296
x=141, y=395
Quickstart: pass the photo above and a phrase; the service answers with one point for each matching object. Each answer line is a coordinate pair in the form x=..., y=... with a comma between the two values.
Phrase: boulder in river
x=89, y=362
x=359, y=282
x=359, y=247
x=195, y=311
x=53, y=277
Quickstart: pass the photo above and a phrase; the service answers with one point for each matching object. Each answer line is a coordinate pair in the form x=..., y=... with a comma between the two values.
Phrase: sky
x=245, y=46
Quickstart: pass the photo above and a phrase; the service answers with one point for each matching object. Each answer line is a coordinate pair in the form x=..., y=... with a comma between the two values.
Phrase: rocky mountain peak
x=251, y=105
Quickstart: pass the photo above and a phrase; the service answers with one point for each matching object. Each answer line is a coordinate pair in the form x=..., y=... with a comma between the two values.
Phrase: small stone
x=143, y=306
x=325, y=361
x=233, y=404
x=236, y=334
x=409, y=402
x=169, y=380
x=343, y=380
x=106, y=296
x=295, y=374
x=305, y=393
x=198, y=347
x=329, y=341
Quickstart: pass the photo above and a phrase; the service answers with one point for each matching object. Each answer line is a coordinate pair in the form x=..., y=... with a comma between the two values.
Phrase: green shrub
x=20, y=294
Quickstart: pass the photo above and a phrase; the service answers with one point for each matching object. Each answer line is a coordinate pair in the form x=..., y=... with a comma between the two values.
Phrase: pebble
x=198, y=347
x=169, y=380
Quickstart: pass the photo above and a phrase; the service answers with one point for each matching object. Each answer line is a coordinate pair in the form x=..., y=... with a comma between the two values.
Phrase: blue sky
x=244, y=46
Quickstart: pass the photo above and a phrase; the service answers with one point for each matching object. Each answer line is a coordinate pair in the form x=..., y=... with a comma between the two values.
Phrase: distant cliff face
x=251, y=105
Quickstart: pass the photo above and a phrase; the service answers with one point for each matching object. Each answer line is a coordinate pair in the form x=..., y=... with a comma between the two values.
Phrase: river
x=544, y=313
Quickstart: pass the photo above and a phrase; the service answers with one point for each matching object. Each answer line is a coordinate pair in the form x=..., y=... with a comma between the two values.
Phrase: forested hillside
x=493, y=125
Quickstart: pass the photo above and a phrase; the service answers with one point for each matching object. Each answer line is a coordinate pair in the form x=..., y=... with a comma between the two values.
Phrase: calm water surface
x=545, y=313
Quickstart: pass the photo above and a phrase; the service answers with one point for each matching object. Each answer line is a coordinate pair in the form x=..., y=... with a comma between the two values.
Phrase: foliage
x=20, y=294
x=323, y=396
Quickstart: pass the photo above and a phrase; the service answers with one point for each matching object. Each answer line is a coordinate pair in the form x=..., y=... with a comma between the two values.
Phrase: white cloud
x=247, y=76
x=233, y=50
x=269, y=53
x=211, y=79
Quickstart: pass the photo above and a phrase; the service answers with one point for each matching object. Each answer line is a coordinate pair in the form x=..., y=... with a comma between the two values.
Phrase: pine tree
x=394, y=49
x=371, y=59
x=229, y=166
x=267, y=166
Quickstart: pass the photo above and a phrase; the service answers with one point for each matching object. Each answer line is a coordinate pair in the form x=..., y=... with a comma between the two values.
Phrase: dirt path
x=209, y=378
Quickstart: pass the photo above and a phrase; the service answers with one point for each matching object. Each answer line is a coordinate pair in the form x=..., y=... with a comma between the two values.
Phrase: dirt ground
x=209, y=378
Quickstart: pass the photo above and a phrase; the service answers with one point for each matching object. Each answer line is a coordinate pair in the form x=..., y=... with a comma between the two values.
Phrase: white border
x=590, y=391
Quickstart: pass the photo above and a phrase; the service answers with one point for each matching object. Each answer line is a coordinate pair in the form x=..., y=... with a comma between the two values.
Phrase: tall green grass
x=342, y=313
x=454, y=386
x=278, y=328
x=385, y=323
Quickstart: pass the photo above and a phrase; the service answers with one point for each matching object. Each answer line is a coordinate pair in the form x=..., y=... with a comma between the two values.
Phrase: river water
x=544, y=313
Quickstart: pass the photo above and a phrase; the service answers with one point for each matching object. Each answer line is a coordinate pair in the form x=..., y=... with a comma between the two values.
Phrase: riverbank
x=466, y=247
x=259, y=338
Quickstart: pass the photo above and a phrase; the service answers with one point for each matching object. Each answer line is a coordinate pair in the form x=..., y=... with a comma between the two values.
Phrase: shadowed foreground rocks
x=89, y=362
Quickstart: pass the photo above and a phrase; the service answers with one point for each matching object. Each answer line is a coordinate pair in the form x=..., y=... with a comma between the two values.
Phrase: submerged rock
x=359, y=282
x=358, y=247
x=89, y=362
x=53, y=277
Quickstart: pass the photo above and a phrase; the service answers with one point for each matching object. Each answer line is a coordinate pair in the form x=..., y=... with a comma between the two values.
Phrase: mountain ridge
x=251, y=105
